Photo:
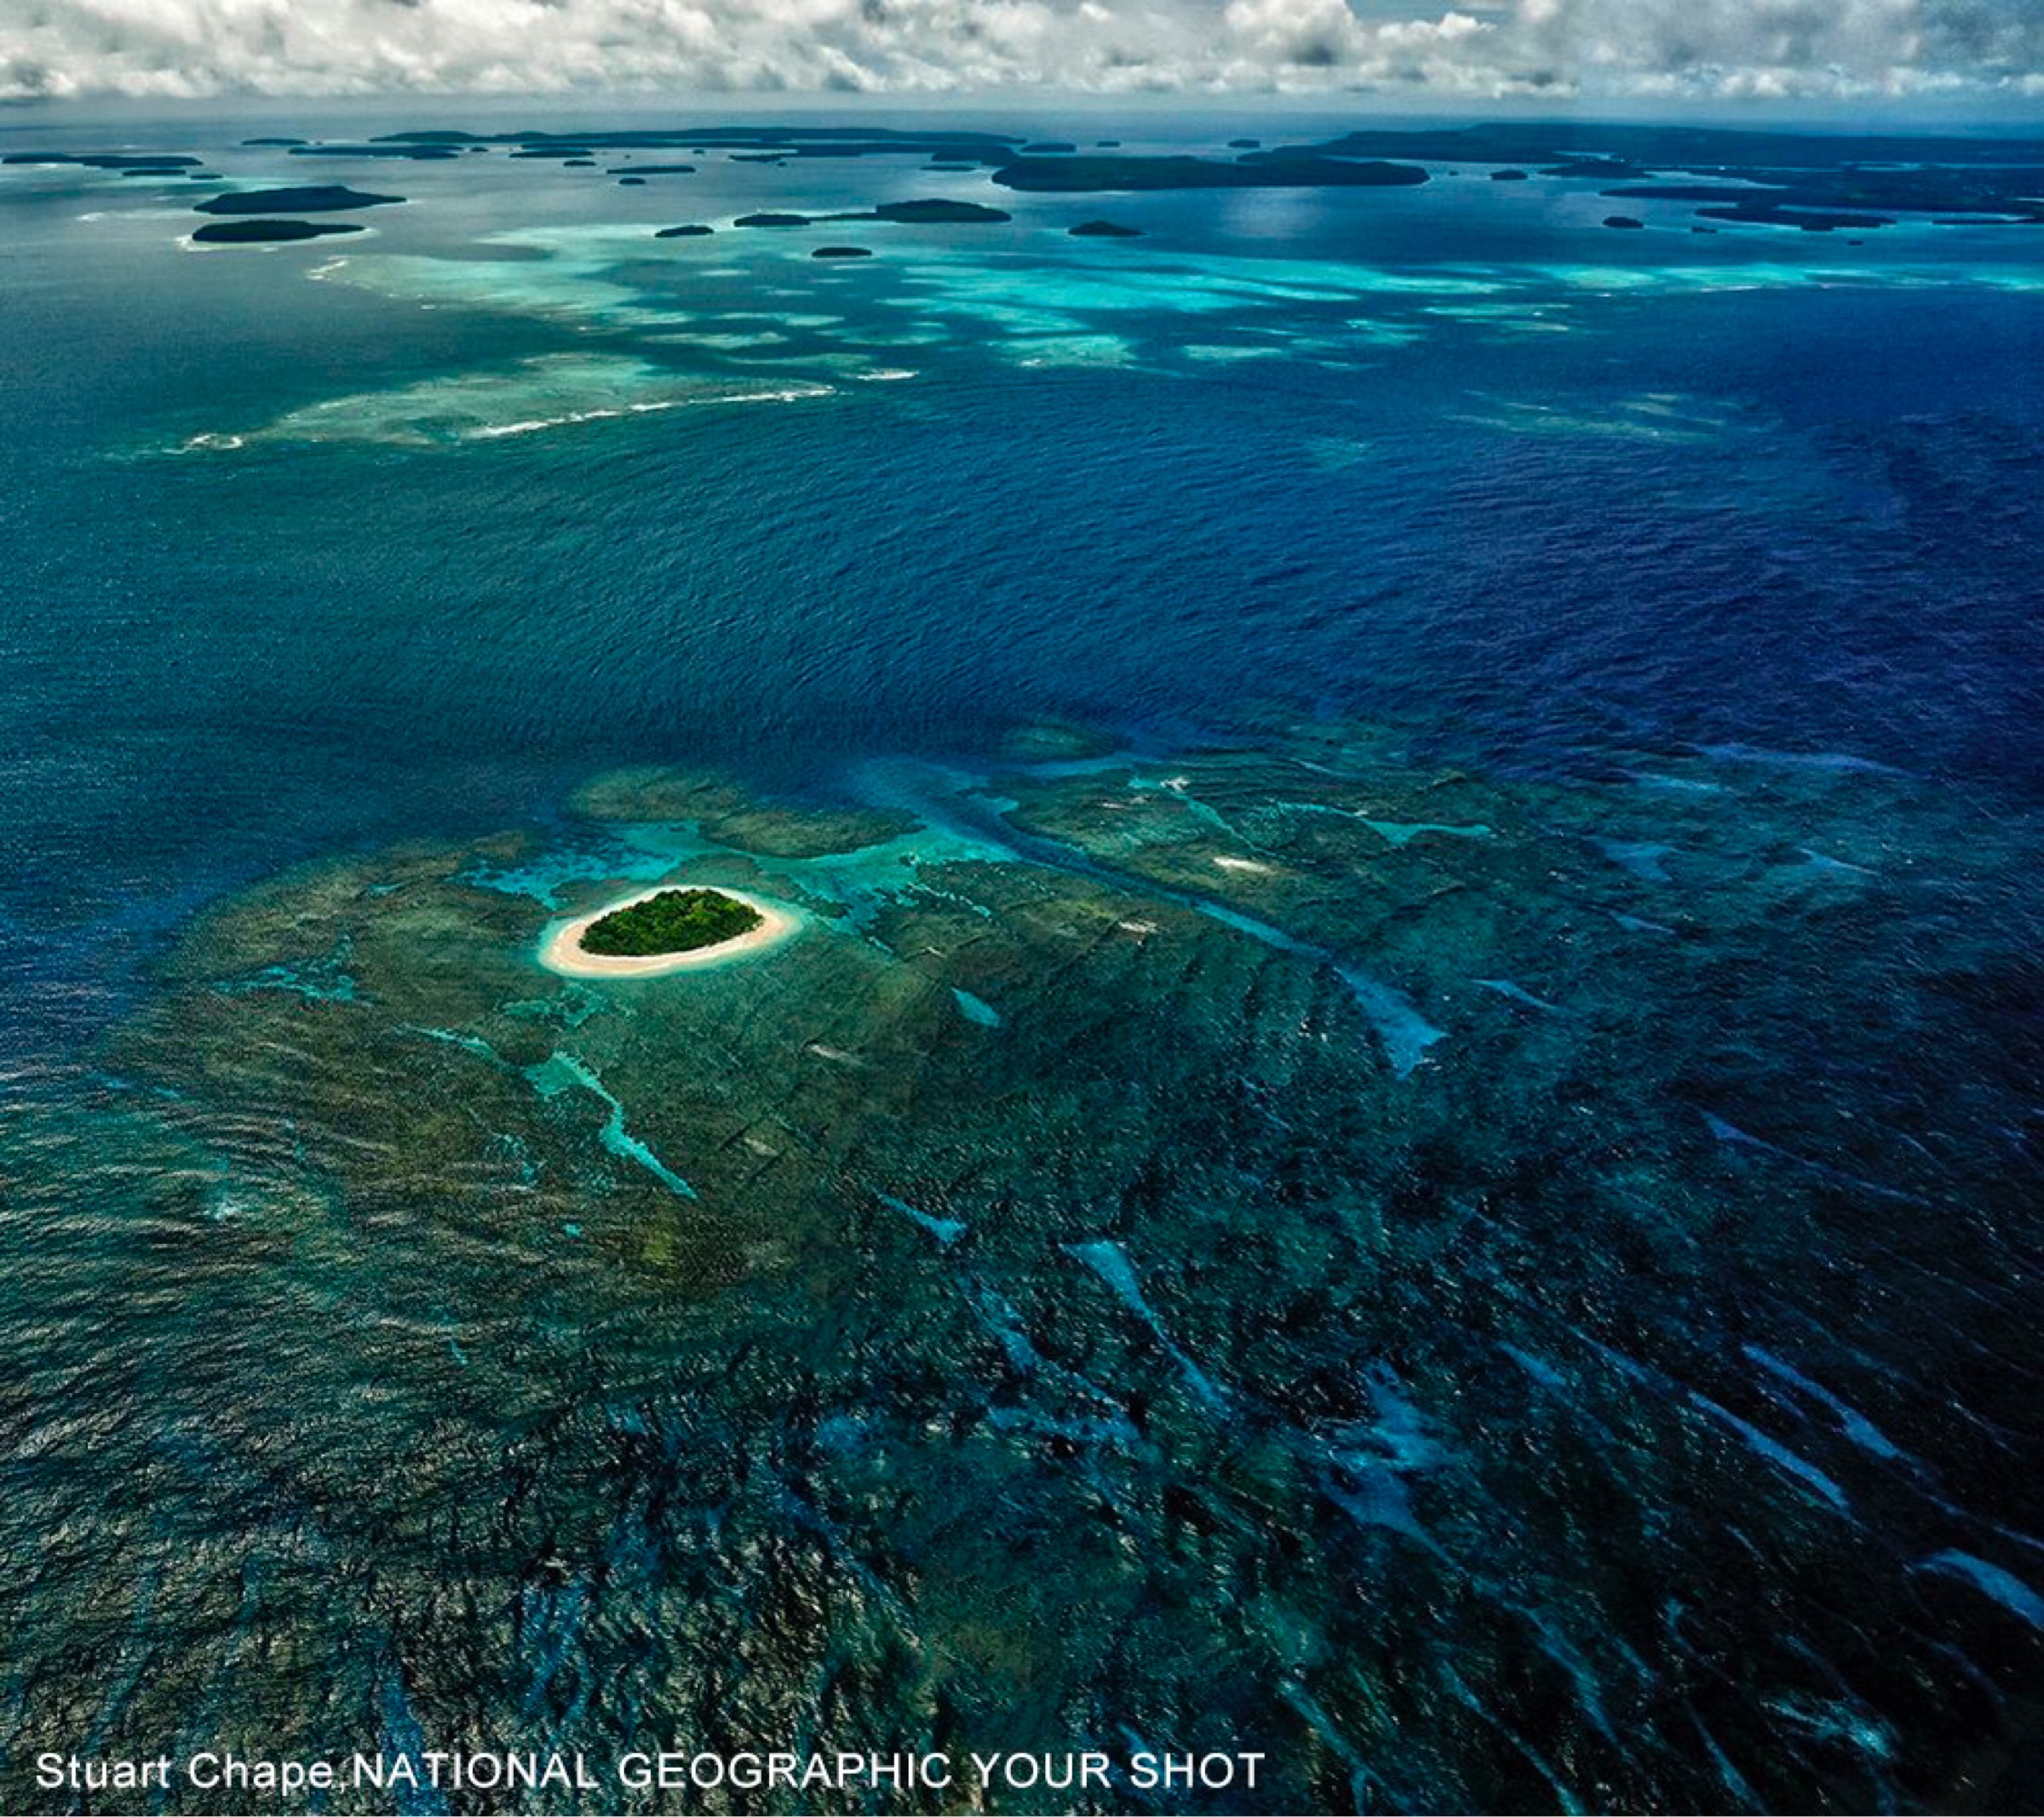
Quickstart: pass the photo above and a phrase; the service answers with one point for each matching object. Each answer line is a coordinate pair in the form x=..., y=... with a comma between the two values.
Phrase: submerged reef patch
x=724, y=812
x=1047, y=1245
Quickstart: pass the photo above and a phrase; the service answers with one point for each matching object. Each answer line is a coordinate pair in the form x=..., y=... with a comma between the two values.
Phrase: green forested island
x=673, y=921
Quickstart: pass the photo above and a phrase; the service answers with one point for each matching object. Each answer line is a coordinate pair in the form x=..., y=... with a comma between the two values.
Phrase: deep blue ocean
x=390, y=544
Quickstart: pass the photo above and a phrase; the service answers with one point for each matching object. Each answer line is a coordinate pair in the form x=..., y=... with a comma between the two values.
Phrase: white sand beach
x=562, y=950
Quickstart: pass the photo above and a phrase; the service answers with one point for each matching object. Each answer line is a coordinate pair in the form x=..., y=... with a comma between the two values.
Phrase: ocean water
x=1402, y=1131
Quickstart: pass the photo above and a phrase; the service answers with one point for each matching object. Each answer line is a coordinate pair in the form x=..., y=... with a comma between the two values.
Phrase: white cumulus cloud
x=1603, y=48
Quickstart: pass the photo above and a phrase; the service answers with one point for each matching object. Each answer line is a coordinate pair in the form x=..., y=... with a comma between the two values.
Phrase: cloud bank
x=1482, y=50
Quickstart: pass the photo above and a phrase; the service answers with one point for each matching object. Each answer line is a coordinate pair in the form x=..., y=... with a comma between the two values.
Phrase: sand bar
x=562, y=950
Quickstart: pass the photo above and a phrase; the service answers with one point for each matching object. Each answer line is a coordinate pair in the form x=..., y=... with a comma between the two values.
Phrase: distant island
x=931, y=211
x=314, y=198
x=664, y=930
x=269, y=233
x=1815, y=182
x=1286, y=169
x=127, y=164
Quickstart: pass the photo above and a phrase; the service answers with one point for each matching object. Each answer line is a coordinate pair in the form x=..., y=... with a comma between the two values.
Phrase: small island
x=269, y=233
x=673, y=921
x=314, y=199
x=126, y=163
x=422, y=154
x=1287, y=168
x=932, y=211
x=664, y=930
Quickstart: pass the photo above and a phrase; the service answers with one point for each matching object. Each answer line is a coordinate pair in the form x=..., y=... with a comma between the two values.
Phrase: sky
x=1871, y=53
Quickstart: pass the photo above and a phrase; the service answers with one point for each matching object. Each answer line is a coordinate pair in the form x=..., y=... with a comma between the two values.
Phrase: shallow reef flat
x=528, y=397
x=1485, y=1288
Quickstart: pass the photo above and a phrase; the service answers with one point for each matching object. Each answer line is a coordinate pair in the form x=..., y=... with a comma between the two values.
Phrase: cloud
x=1483, y=49
x=1781, y=48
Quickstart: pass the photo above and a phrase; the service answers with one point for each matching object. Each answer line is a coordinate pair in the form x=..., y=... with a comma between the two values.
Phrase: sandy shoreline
x=562, y=950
